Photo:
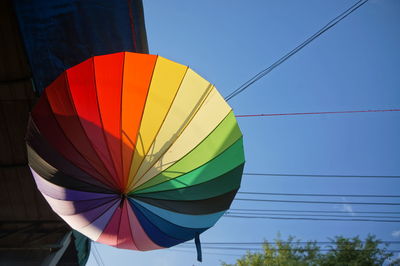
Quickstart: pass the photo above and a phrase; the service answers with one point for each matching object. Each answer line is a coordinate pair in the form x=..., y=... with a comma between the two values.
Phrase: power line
x=310, y=219
x=321, y=113
x=264, y=72
x=313, y=211
x=322, y=175
x=260, y=249
x=389, y=242
x=321, y=202
x=97, y=255
x=321, y=245
x=312, y=215
x=320, y=195
x=207, y=253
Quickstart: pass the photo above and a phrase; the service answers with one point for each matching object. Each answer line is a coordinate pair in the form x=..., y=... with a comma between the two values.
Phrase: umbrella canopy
x=135, y=151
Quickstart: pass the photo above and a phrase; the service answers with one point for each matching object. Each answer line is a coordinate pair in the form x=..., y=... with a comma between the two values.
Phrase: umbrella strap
x=198, y=246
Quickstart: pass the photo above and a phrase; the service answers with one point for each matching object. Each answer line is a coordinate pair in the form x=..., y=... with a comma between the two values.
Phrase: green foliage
x=354, y=252
x=340, y=252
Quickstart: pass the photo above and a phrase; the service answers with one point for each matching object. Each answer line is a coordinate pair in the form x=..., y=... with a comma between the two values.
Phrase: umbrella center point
x=123, y=198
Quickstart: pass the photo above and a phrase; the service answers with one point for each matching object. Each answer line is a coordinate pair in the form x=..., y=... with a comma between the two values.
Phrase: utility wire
x=96, y=259
x=95, y=255
x=260, y=249
x=313, y=211
x=389, y=242
x=320, y=202
x=222, y=246
x=322, y=246
x=264, y=72
x=320, y=195
x=98, y=254
x=313, y=215
x=207, y=253
x=322, y=113
x=315, y=175
x=310, y=219
x=245, y=246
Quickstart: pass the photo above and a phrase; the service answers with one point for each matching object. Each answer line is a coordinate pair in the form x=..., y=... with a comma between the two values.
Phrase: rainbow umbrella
x=135, y=151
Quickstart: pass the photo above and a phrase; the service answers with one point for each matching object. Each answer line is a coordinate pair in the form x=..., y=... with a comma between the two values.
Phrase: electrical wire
x=260, y=249
x=320, y=202
x=96, y=259
x=98, y=254
x=313, y=211
x=310, y=219
x=320, y=195
x=206, y=253
x=264, y=72
x=389, y=242
x=322, y=175
x=314, y=215
x=322, y=113
x=323, y=246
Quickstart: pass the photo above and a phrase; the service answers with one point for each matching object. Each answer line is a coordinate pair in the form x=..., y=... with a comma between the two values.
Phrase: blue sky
x=353, y=66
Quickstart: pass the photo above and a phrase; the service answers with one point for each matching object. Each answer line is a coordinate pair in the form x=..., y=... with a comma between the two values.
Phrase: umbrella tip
x=123, y=198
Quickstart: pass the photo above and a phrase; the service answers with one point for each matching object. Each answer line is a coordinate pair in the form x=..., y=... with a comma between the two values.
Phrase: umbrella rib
x=116, y=180
x=192, y=150
x=105, y=181
x=130, y=180
x=210, y=88
x=135, y=179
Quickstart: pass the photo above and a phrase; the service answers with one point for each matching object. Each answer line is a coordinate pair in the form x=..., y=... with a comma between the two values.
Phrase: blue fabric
x=60, y=34
x=184, y=220
x=198, y=247
x=155, y=234
x=169, y=228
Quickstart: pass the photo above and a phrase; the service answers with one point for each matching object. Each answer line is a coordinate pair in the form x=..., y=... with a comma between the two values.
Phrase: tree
x=341, y=251
x=353, y=252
